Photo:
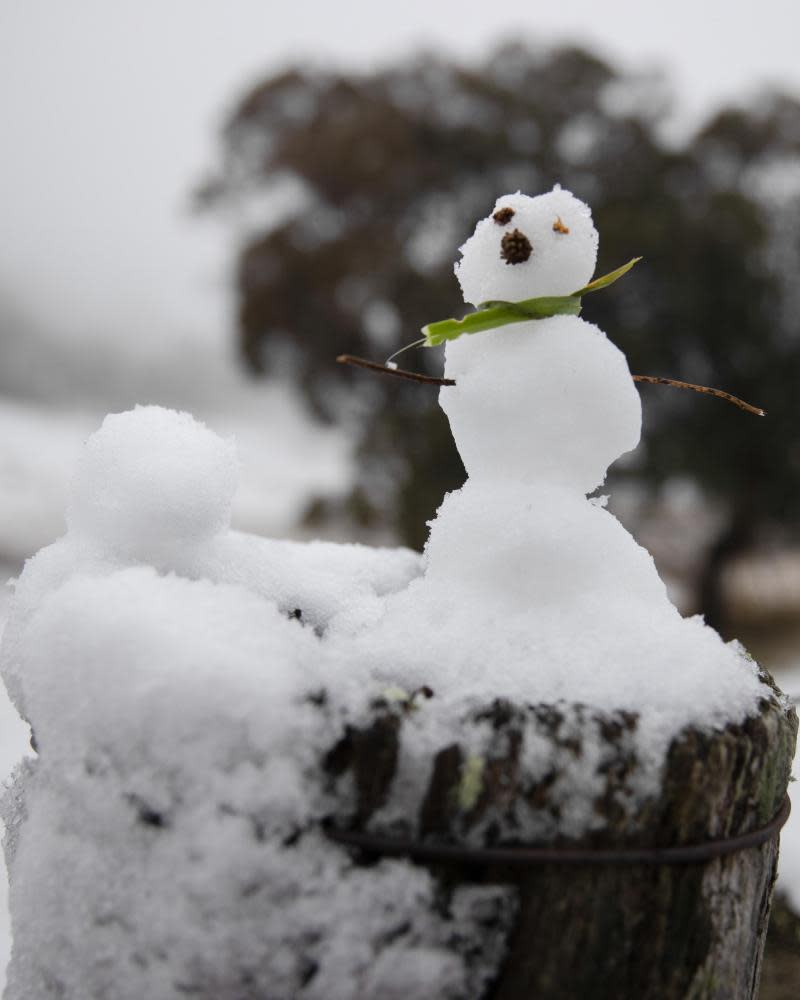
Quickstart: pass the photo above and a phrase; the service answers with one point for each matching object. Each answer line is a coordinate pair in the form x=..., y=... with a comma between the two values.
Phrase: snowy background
x=112, y=292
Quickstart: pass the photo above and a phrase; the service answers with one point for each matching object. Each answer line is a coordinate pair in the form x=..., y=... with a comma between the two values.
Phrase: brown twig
x=373, y=366
x=656, y=380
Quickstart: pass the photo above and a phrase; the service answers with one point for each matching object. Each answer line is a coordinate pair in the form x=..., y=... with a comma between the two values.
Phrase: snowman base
x=601, y=925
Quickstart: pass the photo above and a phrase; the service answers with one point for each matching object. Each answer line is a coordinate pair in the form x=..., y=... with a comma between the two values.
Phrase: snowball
x=549, y=400
x=552, y=241
x=152, y=478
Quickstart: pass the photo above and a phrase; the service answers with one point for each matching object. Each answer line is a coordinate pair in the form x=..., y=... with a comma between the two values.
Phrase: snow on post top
x=150, y=479
x=529, y=247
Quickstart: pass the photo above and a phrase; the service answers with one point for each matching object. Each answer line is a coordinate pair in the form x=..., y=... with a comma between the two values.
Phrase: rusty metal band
x=681, y=855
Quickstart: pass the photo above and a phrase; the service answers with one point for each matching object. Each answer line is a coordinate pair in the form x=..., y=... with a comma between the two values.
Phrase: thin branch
x=373, y=366
x=656, y=380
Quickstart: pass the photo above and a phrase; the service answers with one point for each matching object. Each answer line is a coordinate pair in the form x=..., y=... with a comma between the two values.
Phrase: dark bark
x=599, y=931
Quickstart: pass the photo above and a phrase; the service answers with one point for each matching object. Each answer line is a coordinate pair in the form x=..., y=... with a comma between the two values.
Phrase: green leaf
x=500, y=314
x=607, y=279
x=492, y=314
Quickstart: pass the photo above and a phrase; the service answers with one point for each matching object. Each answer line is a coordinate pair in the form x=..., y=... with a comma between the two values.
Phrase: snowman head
x=529, y=247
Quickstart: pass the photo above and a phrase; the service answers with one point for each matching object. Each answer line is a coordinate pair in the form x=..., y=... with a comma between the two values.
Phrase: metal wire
x=681, y=855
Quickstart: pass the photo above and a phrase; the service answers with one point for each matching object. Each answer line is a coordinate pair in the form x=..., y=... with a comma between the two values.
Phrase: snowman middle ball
x=550, y=401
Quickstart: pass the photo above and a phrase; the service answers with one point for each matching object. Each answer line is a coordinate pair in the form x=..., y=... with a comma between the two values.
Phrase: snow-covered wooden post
x=668, y=901
x=226, y=726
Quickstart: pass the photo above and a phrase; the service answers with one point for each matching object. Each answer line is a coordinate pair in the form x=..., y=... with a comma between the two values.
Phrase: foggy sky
x=108, y=112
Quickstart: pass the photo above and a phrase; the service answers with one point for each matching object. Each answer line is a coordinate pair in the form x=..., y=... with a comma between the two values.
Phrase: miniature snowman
x=539, y=411
x=530, y=588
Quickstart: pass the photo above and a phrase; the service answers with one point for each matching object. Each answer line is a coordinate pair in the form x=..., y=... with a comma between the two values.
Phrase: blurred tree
x=356, y=190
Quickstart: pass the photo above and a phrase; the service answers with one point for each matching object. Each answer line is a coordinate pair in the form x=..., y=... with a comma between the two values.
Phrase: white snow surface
x=168, y=843
x=172, y=671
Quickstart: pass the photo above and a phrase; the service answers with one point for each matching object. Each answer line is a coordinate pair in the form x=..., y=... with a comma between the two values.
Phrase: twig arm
x=657, y=380
x=374, y=366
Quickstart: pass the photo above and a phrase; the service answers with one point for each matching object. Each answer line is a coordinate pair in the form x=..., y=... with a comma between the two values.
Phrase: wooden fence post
x=652, y=930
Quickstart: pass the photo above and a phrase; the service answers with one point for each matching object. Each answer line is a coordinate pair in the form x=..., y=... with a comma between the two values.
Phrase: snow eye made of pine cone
x=503, y=216
x=515, y=247
x=559, y=227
